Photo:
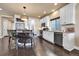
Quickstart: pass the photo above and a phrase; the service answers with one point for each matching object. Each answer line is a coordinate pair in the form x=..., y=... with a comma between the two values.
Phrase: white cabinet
x=62, y=16
x=68, y=41
x=70, y=13
x=45, y=20
x=49, y=36
x=67, y=14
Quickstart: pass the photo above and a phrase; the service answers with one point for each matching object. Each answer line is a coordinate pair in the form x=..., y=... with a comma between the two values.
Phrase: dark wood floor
x=40, y=49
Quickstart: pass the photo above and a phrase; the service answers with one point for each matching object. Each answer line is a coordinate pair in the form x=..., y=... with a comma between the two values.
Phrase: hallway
x=40, y=49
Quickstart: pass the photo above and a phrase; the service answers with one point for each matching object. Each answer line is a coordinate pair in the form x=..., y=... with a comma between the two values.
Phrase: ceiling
x=32, y=9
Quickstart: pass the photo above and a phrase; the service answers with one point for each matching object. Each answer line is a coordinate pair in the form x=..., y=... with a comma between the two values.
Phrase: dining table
x=13, y=35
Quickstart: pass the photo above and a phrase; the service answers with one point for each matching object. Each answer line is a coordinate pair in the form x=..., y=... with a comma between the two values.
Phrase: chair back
x=28, y=32
x=11, y=32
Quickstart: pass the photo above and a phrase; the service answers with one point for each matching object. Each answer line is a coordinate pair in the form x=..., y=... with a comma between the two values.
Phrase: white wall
x=77, y=26
x=34, y=24
x=5, y=24
x=15, y=16
x=10, y=24
x=31, y=23
x=0, y=27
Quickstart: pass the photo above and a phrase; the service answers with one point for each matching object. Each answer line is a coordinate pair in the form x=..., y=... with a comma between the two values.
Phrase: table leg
x=16, y=43
x=9, y=42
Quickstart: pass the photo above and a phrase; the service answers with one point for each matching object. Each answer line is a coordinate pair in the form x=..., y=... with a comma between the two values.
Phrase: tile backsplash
x=71, y=29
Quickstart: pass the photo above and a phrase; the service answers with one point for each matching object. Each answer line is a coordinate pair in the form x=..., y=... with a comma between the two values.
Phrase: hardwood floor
x=40, y=49
x=5, y=50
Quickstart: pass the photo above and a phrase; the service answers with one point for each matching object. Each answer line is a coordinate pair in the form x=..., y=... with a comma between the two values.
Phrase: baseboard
x=76, y=47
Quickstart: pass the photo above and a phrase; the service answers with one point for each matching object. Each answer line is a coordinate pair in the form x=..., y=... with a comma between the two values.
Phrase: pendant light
x=24, y=17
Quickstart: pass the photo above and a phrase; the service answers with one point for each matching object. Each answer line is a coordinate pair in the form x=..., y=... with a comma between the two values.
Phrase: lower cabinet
x=53, y=37
x=68, y=41
x=49, y=36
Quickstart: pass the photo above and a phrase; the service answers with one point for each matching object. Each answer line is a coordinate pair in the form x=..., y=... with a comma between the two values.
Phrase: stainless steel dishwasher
x=58, y=38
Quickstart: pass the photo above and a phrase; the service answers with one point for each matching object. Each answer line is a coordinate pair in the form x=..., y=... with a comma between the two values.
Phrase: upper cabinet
x=45, y=20
x=67, y=14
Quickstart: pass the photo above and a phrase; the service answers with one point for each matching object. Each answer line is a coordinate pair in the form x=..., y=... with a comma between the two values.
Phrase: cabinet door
x=65, y=40
x=68, y=41
x=62, y=15
x=49, y=36
x=69, y=13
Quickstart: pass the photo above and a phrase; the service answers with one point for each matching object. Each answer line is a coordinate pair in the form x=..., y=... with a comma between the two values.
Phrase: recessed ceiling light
x=39, y=16
x=44, y=12
x=0, y=8
x=53, y=10
x=24, y=13
x=55, y=4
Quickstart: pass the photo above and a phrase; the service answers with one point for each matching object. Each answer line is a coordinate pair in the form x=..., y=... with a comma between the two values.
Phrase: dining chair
x=11, y=35
x=25, y=38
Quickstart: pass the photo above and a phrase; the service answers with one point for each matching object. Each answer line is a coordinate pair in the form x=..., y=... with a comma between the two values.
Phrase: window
x=55, y=24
